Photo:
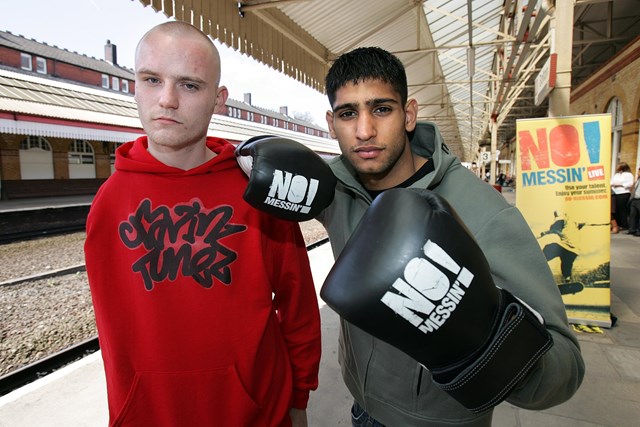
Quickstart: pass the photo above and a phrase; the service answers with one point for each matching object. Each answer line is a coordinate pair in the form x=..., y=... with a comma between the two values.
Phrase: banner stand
x=563, y=173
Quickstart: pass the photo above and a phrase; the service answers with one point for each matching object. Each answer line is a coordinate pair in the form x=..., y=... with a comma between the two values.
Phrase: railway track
x=49, y=364
x=40, y=276
x=16, y=236
x=16, y=225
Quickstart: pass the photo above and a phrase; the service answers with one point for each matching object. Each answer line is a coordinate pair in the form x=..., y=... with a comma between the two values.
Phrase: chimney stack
x=284, y=110
x=247, y=98
x=110, y=53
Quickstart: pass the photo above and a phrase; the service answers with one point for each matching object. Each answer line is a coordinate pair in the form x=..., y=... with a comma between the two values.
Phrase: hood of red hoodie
x=133, y=156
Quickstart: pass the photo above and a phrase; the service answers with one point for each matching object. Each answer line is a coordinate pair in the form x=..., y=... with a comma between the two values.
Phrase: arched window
x=35, y=142
x=80, y=153
x=81, y=160
x=615, y=108
x=36, y=158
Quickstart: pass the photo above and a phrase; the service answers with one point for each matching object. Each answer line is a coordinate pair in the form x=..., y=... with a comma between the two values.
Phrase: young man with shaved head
x=200, y=321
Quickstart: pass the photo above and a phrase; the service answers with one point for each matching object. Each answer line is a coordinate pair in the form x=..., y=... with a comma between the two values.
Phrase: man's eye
x=152, y=80
x=347, y=114
x=382, y=110
x=191, y=86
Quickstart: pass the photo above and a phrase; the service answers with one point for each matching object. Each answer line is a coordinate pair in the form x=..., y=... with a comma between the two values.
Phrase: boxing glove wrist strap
x=521, y=339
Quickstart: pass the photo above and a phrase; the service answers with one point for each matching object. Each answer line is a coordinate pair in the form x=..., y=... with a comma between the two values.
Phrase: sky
x=84, y=26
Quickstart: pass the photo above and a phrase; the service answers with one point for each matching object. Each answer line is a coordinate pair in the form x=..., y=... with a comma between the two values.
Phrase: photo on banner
x=563, y=169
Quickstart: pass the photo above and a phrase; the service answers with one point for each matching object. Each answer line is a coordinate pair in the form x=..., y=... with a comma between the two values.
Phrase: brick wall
x=617, y=78
x=9, y=57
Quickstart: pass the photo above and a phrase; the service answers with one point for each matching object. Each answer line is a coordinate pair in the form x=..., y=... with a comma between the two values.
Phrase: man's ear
x=332, y=131
x=410, y=115
x=221, y=99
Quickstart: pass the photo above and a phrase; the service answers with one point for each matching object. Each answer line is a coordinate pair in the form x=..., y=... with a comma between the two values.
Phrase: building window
x=105, y=81
x=276, y=122
x=125, y=86
x=36, y=158
x=115, y=83
x=25, y=62
x=112, y=152
x=41, y=65
x=35, y=142
x=80, y=153
x=615, y=109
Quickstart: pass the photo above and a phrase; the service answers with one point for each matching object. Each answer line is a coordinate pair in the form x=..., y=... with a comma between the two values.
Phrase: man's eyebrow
x=345, y=106
x=178, y=78
x=145, y=71
x=378, y=101
x=369, y=103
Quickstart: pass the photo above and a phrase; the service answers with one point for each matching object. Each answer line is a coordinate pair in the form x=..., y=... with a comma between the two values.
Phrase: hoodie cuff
x=300, y=399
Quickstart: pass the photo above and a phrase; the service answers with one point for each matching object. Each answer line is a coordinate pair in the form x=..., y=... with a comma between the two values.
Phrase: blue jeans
x=360, y=417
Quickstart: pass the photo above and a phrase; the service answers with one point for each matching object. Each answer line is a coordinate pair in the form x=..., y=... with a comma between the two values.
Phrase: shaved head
x=182, y=30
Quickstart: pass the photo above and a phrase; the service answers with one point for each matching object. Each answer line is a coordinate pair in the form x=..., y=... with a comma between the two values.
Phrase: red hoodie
x=205, y=307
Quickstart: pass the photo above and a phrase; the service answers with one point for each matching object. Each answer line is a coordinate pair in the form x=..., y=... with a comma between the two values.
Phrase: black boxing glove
x=412, y=275
x=286, y=178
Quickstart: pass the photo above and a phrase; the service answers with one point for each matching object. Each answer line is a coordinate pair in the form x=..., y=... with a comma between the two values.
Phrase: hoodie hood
x=133, y=156
x=425, y=141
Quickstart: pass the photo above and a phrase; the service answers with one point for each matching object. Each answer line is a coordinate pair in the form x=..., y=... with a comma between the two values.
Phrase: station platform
x=43, y=203
x=609, y=396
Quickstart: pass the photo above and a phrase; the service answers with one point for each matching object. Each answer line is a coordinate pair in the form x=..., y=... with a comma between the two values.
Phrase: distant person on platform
x=634, y=208
x=621, y=185
x=205, y=307
x=399, y=182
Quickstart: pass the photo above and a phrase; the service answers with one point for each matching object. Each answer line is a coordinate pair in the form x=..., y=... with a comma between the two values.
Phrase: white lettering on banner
x=288, y=191
x=424, y=296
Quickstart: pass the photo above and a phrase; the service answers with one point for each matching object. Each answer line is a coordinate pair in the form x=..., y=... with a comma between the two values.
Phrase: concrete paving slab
x=599, y=365
x=73, y=396
x=546, y=420
x=626, y=361
x=598, y=401
x=626, y=334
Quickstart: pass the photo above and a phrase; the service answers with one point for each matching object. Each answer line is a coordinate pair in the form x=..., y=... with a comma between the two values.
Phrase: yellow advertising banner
x=563, y=169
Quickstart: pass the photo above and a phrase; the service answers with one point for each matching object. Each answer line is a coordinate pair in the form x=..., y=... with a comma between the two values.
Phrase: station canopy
x=468, y=62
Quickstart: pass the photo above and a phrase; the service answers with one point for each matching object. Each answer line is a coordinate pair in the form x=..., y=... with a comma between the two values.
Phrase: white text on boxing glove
x=288, y=191
x=426, y=289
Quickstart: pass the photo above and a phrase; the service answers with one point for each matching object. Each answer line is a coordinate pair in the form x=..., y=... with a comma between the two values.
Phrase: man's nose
x=168, y=97
x=365, y=127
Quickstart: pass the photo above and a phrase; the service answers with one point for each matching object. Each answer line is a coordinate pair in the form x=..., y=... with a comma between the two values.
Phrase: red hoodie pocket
x=184, y=399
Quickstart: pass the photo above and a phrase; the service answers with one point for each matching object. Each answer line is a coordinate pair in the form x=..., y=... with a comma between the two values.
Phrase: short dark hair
x=366, y=63
x=623, y=167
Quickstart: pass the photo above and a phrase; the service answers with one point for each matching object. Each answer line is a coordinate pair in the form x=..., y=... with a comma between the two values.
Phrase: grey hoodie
x=394, y=388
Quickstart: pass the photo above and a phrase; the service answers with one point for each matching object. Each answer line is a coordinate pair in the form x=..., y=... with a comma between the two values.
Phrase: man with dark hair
x=385, y=148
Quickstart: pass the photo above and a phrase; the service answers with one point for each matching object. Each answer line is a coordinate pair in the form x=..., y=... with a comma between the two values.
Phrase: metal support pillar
x=494, y=149
x=561, y=43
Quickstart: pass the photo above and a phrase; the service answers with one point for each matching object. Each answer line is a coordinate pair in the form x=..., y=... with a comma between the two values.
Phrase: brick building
x=614, y=89
x=63, y=114
x=611, y=88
